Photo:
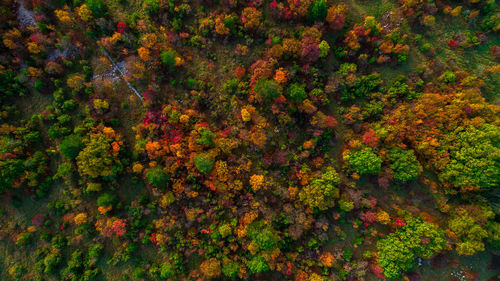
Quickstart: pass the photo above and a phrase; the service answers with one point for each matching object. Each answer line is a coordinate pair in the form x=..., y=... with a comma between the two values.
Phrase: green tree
x=230, y=268
x=257, y=264
x=404, y=164
x=296, y=92
x=168, y=58
x=474, y=158
x=167, y=270
x=206, y=138
x=204, y=163
x=363, y=161
x=317, y=10
x=10, y=171
x=157, y=177
x=398, y=250
x=152, y=6
x=106, y=199
x=71, y=146
x=268, y=89
x=97, y=7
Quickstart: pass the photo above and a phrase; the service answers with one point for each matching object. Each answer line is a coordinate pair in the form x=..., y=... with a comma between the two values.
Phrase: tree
x=364, y=161
x=469, y=229
x=157, y=177
x=230, y=268
x=106, y=199
x=100, y=155
x=168, y=58
x=204, y=163
x=265, y=239
x=404, y=164
x=398, y=250
x=211, y=268
x=167, y=270
x=268, y=89
x=257, y=264
x=71, y=146
x=335, y=16
x=10, y=171
x=322, y=190
x=317, y=11
x=474, y=158
x=97, y=7
x=152, y=6
x=296, y=92
x=250, y=17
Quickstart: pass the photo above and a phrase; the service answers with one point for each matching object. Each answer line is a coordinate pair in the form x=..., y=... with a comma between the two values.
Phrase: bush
x=157, y=177
x=204, y=163
x=71, y=146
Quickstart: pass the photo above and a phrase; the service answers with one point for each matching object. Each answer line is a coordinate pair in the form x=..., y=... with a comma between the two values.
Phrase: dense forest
x=306, y=140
